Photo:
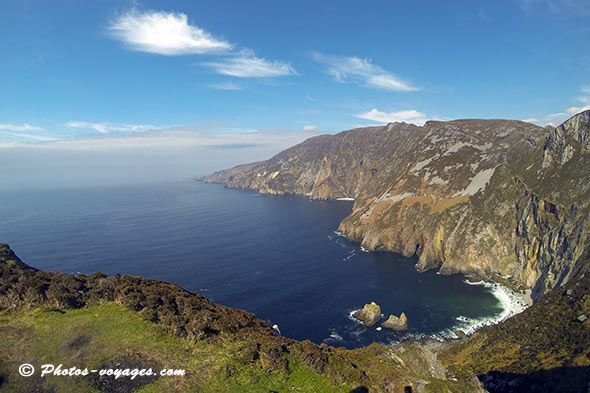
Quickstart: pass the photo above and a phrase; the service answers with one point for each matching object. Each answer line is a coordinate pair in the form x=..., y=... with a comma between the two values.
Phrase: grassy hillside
x=98, y=322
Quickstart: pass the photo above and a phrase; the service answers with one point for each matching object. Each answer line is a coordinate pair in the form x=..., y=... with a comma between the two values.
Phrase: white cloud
x=247, y=65
x=584, y=99
x=181, y=138
x=310, y=128
x=409, y=116
x=555, y=119
x=577, y=109
x=531, y=120
x=225, y=86
x=105, y=128
x=19, y=127
x=362, y=72
x=18, y=136
x=164, y=33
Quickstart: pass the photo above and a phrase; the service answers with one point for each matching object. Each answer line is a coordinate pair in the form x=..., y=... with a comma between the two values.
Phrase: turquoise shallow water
x=278, y=257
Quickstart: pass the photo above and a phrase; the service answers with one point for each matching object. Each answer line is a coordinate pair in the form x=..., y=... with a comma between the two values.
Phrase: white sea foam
x=334, y=337
x=349, y=256
x=345, y=199
x=352, y=318
x=512, y=303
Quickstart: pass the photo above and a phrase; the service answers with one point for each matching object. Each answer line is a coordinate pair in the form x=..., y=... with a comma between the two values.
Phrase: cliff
x=488, y=197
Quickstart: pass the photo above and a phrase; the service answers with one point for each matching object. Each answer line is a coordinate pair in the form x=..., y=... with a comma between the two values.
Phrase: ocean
x=276, y=256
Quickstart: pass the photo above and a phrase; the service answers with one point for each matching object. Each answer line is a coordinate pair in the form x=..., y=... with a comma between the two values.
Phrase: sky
x=121, y=91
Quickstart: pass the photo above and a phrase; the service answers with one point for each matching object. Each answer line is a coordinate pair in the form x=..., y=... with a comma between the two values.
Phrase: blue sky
x=80, y=75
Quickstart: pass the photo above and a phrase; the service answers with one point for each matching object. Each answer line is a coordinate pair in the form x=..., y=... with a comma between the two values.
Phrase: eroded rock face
x=490, y=197
x=395, y=323
x=369, y=315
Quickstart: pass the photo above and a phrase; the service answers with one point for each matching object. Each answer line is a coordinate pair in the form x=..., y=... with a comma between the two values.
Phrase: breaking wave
x=511, y=302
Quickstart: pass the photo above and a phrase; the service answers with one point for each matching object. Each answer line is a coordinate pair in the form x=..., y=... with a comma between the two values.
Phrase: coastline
x=512, y=302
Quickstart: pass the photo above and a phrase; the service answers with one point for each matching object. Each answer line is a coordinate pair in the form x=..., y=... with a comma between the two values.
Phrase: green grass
x=110, y=331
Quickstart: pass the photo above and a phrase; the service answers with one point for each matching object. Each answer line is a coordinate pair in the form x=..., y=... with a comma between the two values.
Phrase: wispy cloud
x=19, y=127
x=408, y=116
x=164, y=33
x=247, y=65
x=105, y=128
x=555, y=119
x=310, y=128
x=225, y=86
x=362, y=72
x=561, y=8
x=20, y=136
x=585, y=97
x=179, y=138
x=577, y=109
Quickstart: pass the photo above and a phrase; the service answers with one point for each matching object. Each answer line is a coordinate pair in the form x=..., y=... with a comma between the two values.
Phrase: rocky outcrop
x=487, y=197
x=395, y=323
x=369, y=315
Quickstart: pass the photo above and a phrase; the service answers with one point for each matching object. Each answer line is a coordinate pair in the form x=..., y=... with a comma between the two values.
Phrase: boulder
x=396, y=323
x=369, y=315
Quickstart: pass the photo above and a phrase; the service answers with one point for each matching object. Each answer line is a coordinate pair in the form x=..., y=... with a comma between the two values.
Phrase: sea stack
x=396, y=323
x=369, y=315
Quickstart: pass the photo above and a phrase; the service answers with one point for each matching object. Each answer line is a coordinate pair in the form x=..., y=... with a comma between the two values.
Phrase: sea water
x=279, y=257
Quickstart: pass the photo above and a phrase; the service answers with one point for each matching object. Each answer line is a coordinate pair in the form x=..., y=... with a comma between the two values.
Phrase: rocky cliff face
x=490, y=197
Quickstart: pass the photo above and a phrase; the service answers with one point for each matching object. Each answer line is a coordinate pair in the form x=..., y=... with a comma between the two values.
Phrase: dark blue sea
x=276, y=256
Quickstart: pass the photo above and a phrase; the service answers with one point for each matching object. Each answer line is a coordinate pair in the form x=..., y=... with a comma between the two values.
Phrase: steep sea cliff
x=494, y=198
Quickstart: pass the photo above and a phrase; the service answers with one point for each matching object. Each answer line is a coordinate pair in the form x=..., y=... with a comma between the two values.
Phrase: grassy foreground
x=95, y=335
x=99, y=322
x=125, y=322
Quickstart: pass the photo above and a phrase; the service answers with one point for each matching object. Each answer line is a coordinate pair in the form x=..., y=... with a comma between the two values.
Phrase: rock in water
x=396, y=323
x=369, y=315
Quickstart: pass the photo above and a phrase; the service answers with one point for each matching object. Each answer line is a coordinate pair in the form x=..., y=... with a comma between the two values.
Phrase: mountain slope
x=490, y=197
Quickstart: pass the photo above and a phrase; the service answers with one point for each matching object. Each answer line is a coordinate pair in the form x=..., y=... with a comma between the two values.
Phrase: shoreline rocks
x=395, y=323
x=369, y=315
